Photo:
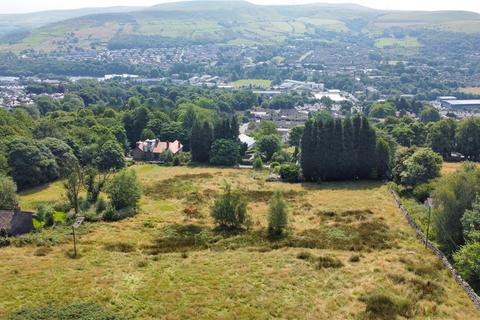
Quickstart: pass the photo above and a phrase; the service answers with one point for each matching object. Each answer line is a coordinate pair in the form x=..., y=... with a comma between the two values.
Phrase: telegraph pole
x=77, y=224
x=429, y=205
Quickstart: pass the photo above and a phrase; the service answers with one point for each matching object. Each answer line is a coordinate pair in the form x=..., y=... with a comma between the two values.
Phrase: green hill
x=237, y=22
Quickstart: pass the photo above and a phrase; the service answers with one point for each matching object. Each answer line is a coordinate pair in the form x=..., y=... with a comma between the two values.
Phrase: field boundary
x=458, y=278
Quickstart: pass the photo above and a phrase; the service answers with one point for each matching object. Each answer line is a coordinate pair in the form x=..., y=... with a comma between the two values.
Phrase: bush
x=466, y=262
x=274, y=164
x=277, y=216
x=422, y=191
x=229, y=210
x=46, y=215
x=384, y=305
x=290, y=173
x=110, y=214
x=329, y=262
x=304, y=255
x=257, y=163
x=101, y=205
x=422, y=166
x=124, y=190
x=281, y=156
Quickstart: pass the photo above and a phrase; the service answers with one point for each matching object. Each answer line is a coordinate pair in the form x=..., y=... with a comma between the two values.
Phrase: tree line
x=343, y=149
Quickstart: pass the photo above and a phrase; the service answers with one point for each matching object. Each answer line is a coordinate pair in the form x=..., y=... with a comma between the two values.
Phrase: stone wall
x=473, y=296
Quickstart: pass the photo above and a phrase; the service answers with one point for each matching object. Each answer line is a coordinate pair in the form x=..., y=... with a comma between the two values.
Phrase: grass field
x=254, y=83
x=407, y=42
x=348, y=248
x=471, y=90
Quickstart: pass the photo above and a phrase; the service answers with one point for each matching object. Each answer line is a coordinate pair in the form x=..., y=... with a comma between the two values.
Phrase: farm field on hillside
x=348, y=248
x=254, y=83
x=407, y=42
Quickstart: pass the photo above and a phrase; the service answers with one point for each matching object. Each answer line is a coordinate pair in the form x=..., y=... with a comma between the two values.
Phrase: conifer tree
x=201, y=142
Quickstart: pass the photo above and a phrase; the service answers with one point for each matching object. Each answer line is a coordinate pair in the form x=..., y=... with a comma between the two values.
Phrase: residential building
x=151, y=150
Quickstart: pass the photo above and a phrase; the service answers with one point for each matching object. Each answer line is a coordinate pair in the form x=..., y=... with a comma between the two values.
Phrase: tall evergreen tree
x=349, y=152
x=201, y=141
x=308, y=150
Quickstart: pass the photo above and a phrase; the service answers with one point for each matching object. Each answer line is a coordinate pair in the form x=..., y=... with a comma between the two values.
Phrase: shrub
x=46, y=214
x=124, y=190
x=277, y=215
x=290, y=173
x=101, y=205
x=422, y=191
x=422, y=166
x=281, y=156
x=354, y=258
x=466, y=262
x=304, y=255
x=229, y=209
x=384, y=305
x=257, y=163
x=274, y=164
x=329, y=262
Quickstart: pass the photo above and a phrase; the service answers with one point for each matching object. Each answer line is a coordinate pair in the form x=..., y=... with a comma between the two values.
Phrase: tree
x=295, y=136
x=46, y=104
x=109, y=157
x=124, y=190
x=342, y=149
x=201, y=142
x=8, y=193
x=441, y=137
x=266, y=128
x=229, y=210
x=468, y=138
x=93, y=183
x=62, y=152
x=453, y=195
x=422, y=166
x=429, y=114
x=225, y=152
x=382, y=110
x=31, y=162
x=268, y=145
x=74, y=183
x=277, y=215
x=471, y=222
x=466, y=263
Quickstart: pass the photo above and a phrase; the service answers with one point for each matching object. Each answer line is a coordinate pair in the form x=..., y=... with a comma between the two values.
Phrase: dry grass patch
x=179, y=269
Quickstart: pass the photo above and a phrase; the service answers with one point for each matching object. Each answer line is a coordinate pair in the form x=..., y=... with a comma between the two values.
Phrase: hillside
x=236, y=22
x=11, y=24
x=165, y=264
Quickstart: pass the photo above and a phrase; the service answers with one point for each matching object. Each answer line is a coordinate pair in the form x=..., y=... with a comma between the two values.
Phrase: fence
x=468, y=290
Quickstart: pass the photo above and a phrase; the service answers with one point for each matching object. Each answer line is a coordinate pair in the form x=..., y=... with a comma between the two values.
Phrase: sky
x=20, y=6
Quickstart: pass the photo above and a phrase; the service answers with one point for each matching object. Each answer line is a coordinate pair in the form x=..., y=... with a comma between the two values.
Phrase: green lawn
x=407, y=42
x=254, y=83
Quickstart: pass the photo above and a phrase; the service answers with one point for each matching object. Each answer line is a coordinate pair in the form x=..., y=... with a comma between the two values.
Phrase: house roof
x=247, y=139
x=158, y=146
